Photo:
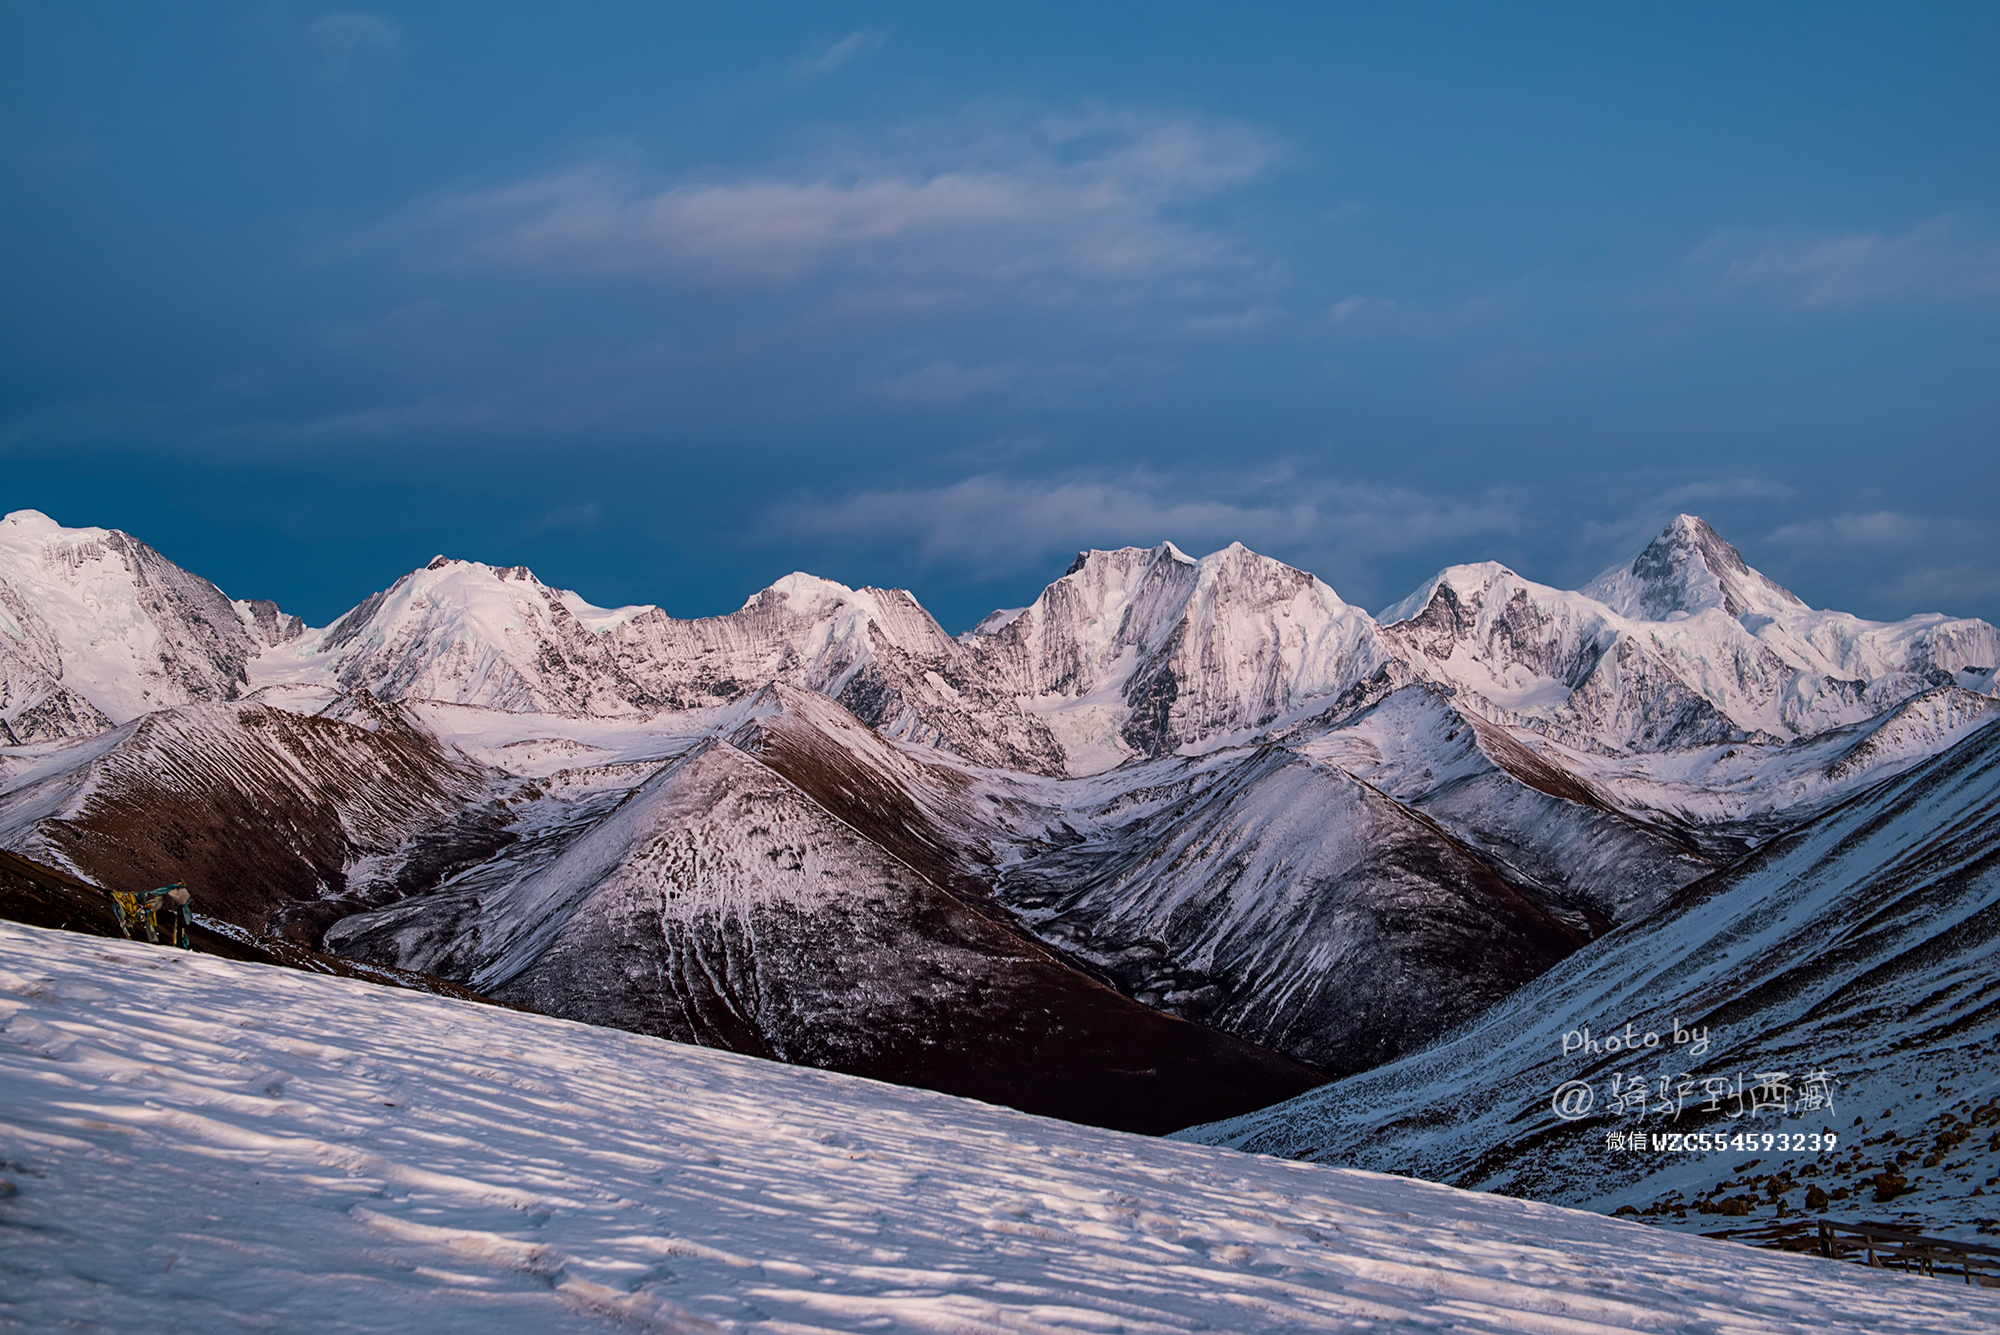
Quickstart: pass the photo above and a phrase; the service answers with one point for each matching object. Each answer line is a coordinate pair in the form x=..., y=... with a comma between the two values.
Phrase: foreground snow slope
x=194, y=1144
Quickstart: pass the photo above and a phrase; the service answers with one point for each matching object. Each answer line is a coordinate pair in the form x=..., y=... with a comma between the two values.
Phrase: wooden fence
x=1872, y=1244
x=1876, y=1245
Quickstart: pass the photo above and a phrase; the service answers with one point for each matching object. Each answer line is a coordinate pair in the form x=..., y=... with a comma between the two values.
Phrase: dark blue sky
x=668, y=300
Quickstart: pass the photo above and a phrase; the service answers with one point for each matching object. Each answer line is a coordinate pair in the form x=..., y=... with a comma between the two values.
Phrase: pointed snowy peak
x=1099, y=557
x=1107, y=605
x=470, y=633
x=1460, y=584
x=446, y=586
x=823, y=612
x=1690, y=568
x=1142, y=650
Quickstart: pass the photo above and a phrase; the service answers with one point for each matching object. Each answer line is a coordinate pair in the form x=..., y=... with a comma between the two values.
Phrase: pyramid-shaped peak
x=1239, y=556
x=1690, y=568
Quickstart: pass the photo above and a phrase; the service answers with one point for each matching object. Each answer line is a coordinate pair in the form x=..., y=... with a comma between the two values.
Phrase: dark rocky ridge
x=1861, y=944
x=262, y=810
x=720, y=904
x=1285, y=901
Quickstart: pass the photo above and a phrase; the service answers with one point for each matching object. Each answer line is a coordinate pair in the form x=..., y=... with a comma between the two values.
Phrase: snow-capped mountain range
x=1206, y=787
x=1131, y=653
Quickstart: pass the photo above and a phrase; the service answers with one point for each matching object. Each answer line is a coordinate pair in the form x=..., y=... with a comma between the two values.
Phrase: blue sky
x=667, y=300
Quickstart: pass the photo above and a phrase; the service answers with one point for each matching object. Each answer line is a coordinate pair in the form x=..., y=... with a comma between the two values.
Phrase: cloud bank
x=1949, y=258
x=1005, y=525
x=981, y=199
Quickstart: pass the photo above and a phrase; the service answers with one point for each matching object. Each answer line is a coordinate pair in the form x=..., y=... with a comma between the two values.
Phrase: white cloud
x=1943, y=587
x=994, y=202
x=1347, y=308
x=1371, y=317
x=1949, y=258
x=1001, y=524
x=578, y=518
x=1731, y=489
x=859, y=43
x=1876, y=528
x=1905, y=562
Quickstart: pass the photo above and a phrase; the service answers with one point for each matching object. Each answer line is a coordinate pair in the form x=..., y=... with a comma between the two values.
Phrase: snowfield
x=195, y=1144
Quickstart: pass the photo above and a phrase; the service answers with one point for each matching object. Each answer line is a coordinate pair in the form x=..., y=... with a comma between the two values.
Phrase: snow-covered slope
x=97, y=628
x=1254, y=890
x=200, y=1145
x=1540, y=822
x=1861, y=946
x=1731, y=798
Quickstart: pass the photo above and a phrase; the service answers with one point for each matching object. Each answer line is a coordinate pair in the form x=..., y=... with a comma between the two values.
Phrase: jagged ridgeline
x=1179, y=840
